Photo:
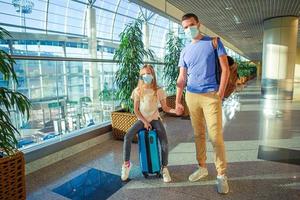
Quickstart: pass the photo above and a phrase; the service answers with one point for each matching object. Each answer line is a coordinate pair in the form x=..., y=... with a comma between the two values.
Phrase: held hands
x=179, y=109
x=172, y=111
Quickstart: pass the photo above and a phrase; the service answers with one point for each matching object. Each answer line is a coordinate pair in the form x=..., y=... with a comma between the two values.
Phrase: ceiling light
x=236, y=19
x=228, y=8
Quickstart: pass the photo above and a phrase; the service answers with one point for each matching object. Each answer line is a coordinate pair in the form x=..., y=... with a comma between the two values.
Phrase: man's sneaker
x=222, y=184
x=166, y=175
x=125, y=171
x=198, y=174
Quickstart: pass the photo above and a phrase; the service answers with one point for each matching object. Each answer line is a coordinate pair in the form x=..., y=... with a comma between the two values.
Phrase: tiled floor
x=260, y=123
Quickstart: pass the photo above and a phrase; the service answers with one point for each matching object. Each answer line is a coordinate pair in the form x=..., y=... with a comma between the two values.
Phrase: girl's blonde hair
x=141, y=82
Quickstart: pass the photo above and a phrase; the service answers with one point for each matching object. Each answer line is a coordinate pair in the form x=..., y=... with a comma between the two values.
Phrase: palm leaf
x=174, y=46
x=9, y=100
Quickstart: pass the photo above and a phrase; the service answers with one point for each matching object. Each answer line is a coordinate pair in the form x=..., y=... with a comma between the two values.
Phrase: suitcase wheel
x=158, y=175
x=145, y=174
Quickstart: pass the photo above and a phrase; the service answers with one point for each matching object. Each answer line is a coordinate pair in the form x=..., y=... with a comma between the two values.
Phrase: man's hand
x=221, y=95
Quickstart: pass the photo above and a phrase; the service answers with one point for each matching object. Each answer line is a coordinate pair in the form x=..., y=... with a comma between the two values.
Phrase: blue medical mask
x=192, y=32
x=147, y=78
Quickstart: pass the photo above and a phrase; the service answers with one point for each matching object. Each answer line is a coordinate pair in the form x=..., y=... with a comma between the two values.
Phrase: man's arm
x=180, y=86
x=224, y=76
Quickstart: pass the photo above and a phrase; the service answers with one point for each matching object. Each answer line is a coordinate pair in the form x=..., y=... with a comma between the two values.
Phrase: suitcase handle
x=143, y=129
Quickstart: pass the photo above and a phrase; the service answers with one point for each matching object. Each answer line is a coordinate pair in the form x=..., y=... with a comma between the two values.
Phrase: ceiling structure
x=240, y=22
x=66, y=20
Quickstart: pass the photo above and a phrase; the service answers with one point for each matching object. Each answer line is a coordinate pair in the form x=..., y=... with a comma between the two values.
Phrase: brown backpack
x=231, y=85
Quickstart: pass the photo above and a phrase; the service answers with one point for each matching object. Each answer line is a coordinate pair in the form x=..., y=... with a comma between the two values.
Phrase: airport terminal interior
x=68, y=62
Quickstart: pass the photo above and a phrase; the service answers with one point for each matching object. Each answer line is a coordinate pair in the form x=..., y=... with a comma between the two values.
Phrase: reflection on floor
x=279, y=154
x=259, y=123
x=93, y=184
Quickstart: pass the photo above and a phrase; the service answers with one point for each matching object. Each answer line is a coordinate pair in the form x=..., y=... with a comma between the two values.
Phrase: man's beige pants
x=207, y=107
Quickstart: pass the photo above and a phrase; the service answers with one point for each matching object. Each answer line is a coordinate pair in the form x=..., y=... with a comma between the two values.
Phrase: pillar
x=146, y=37
x=92, y=39
x=279, y=54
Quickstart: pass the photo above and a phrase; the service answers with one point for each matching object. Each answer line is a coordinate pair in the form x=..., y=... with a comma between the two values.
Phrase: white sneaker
x=125, y=172
x=166, y=175
x=222, y=184
x=198, y=174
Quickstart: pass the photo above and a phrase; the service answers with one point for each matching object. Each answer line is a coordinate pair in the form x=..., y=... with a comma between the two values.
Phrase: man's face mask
x=191, y=32
x=147, y=78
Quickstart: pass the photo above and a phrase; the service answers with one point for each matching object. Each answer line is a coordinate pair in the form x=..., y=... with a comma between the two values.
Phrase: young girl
x=146, y=97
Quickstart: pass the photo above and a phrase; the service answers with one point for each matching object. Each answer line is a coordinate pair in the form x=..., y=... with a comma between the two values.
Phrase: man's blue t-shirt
x=199, y=60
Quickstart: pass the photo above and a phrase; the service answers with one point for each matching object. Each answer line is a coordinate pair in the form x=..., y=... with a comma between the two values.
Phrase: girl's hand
x=173, y=111
x=147, y=125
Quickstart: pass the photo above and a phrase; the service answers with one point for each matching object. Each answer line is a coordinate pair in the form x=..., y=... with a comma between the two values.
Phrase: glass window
x=158, y=36
x=104, y=27
x=107, y=4
x=61, y=91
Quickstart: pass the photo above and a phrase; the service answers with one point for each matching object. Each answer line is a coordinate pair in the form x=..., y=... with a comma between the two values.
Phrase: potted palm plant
x=130, y=57
x=241, y=72
x=246, y=71
x=12, y=164
x=174, y=46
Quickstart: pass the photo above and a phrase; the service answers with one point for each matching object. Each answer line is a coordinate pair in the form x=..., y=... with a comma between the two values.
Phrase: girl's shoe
x=125, y=171
x=166, y=175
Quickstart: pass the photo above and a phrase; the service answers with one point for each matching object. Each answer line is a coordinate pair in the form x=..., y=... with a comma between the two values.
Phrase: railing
x=67, y=95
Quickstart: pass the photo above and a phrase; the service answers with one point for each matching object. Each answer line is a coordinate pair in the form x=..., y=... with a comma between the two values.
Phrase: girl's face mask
x=147, y=78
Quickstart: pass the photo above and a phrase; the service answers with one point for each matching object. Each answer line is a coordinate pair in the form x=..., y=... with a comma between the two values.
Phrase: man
x=204, y=96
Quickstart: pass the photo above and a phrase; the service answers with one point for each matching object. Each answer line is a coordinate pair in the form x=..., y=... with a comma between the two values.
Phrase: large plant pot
x=171, y=102
x=12, y=177
x=239, y=81
x=244, y=79
x=121, y=122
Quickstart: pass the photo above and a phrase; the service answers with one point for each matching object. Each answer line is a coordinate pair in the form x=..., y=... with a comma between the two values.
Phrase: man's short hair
x=188, y=16
x=230, y=60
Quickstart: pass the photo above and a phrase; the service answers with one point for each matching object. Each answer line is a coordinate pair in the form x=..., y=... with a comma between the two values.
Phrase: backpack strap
x=218, y=66
x=215, y=42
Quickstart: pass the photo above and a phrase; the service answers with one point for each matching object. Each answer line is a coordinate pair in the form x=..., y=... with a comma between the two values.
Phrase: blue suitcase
x=149, y=152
